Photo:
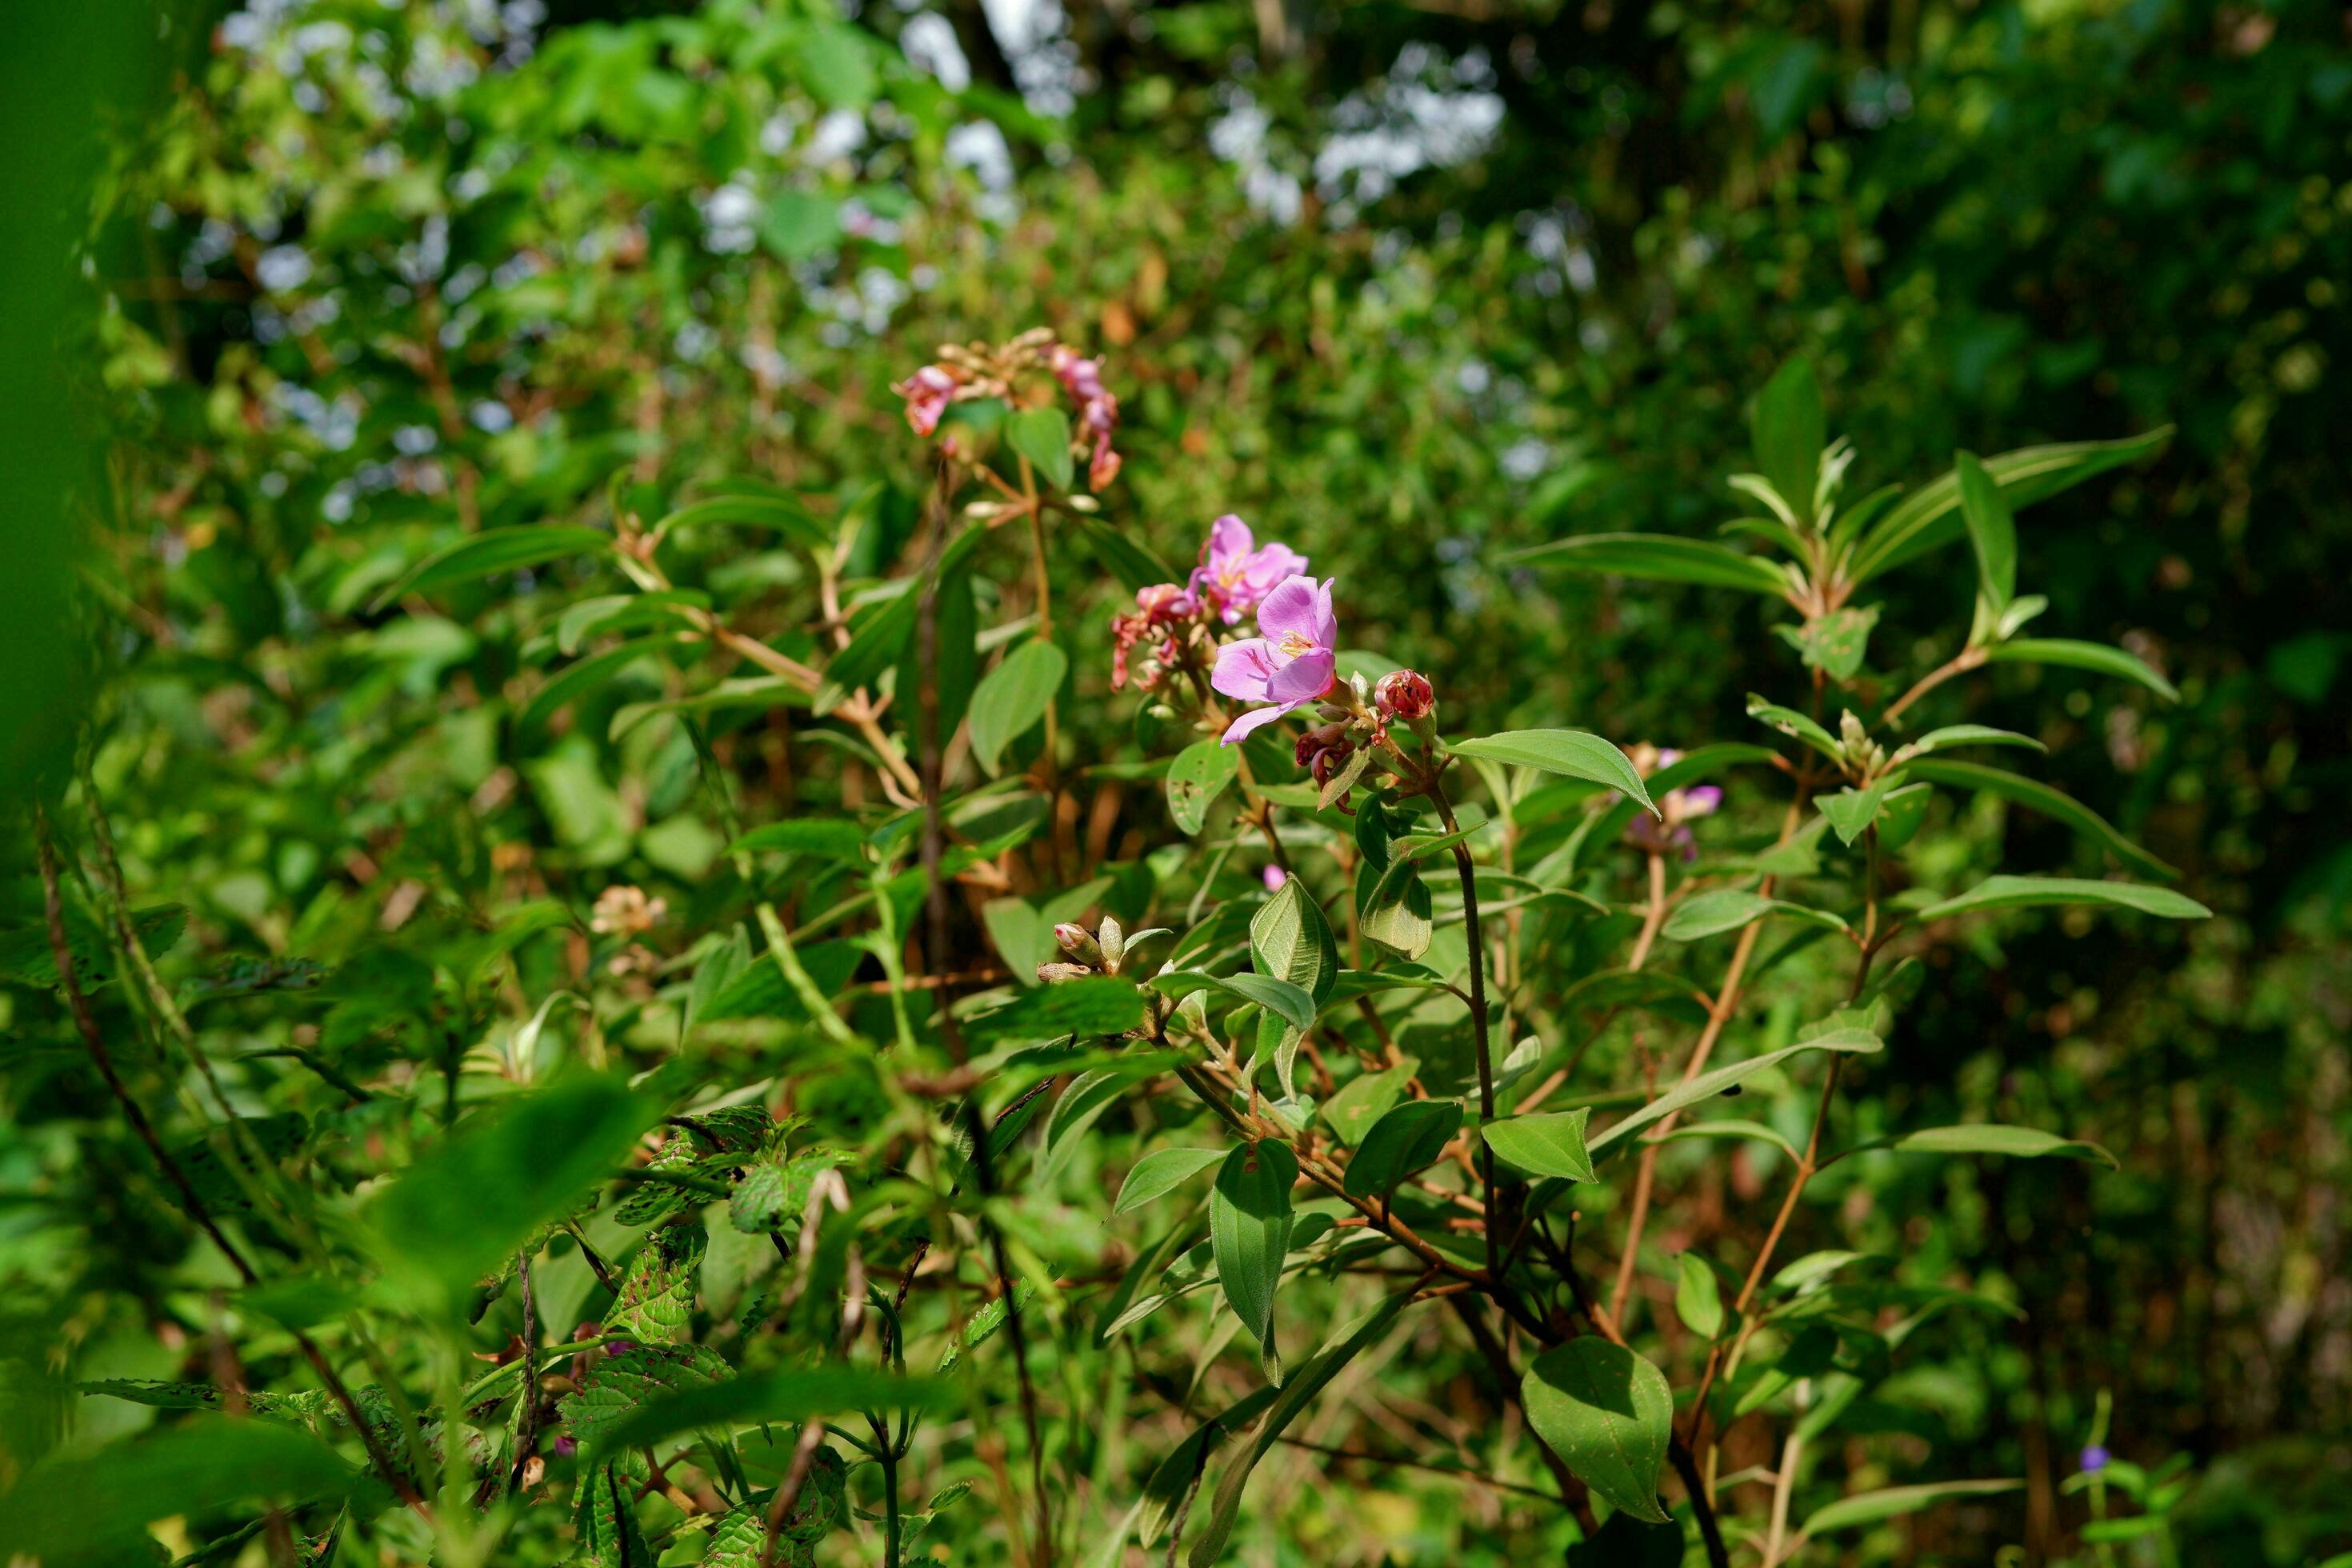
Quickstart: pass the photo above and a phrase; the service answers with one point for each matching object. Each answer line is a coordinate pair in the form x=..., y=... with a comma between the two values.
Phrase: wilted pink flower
x=927, y=393
x=1236, y=573
x=1404, y=694
x=1678, y=807
x=1292, y=661
x=1097, y=411
x=1157, y=607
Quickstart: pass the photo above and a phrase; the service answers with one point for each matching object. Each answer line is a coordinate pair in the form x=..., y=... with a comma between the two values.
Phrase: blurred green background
x=1406, y=284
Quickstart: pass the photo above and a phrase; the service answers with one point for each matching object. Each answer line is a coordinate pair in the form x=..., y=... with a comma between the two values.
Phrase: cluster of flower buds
x=1669, y=833
x=1865, y=755
x=1162, y=611
x=1097, y=951
x=965, y=372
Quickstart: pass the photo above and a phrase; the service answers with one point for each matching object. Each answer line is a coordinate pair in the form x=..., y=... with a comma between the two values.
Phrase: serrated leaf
x=1249, y=1236
x=1570, y=752
x=655, y=1299
x=1544, y=1143
x=1408, y=1138
x=1608, y=1413
x=1198, y=775
x=774, y=1191
x=1012, y=698
x=2034, y=892
x=621, y=1384
x=1162, y=1172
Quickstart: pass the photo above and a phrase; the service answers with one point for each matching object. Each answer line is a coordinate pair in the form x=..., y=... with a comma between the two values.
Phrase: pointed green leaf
x=1789, y=430
x=1986, y=1137
x=493, y=550
x=1291, y=940
x=1162, y=1172
x=2033, y=892
x=1930, y=516
x=1698, y=1296
x=2039, y=798
x=1042, y=436
x=1012, y=698
x=1992, y=532
x=1570, y=752
x=1544, y=1143
x=2096, y=658
x=1249, y=1236
x=1410, y=1137
x=1608, y=1413
x=1658, y=558
x=1853, y=1040
x=1198, y=775
x=1869, y=1508
x=1789, y=722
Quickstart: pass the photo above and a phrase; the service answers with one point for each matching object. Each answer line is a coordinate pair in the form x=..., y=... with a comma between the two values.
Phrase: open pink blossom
x=1292, y=661
x=1236, y=573
x=927, y=393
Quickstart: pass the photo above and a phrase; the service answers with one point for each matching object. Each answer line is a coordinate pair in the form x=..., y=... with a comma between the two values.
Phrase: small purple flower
x=2094, y=1460
x=567, y=1446
x=1292, y=661
x=1275, y=876
x=1236, y=573
x=1678, y=807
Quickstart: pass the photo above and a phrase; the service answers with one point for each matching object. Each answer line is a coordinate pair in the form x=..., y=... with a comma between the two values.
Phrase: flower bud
x=1078, y=943
x=1331, y=760
x=1404, y=694
x=1317, y=740
x=1054, y=974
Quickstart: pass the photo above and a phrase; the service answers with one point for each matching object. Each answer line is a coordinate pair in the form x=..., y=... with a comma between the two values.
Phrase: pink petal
x=1229, y=537
x=1290, y=608
x=1327, y=619
x=1243, y=670
x=1304, y=678
x=1701, y=799
x=1255, y=718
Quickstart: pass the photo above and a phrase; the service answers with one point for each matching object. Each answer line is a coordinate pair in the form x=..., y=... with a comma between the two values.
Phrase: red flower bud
x=1404, y=694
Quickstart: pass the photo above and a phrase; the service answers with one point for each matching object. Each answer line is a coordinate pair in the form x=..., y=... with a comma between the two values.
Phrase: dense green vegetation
x=546, y=822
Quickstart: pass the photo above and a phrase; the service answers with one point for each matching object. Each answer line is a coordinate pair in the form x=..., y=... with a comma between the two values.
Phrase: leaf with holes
x=1196, y=778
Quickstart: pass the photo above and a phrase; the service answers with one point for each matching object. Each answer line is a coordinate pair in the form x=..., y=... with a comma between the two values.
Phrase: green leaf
x=1249, y=1236
x=1011, y=698
x=1698, y=1296
x=1546, y=1143
x=1198, y=775
x=799, y=224
x=1291, y=940
x=1160, y=1173
x=1788, y=429
x=1850, y=812
x=1096, y=1006
x=1853, y=1040
x=1570, y=752
x=2039, y=798
x=656, y=1298
x=1363, y=1099
x=492, y=551
x=1930, y=516
x=2097, y=658
x=1411, y=1136
x=584, y=677
x=1836, y=643
x=1952, y=735
x=1301, y=1390
x=1869, y=1508
x=1130, y=559
x=764, y=507
x=1081, y=1105
x=620, y=1384
x=1279, y=997
x=955, y=659
x=877, y=644
x=1658, y=558
x=2033, y=892
x=1901, y=812
x=1397, y=919
x=1789, y=722
x=95, y=1507
x=778, y=1396
x=1986, y=1137
x=1042, y=436
x=1608, y=1413
x=826, y=837
x=1721, y=910
x=1993, y=533
x=455, y=1213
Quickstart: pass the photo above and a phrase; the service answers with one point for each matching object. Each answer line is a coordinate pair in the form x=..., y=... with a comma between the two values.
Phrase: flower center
x=1294, y=644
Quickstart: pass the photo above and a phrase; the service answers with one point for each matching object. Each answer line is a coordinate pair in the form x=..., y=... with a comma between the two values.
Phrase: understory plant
x=1086, y=1054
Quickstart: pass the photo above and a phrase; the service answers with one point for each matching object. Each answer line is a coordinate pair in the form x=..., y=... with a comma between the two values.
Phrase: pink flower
x=1679, y=809
x=1097, y=411
x=1292, y=661
x=1404, y=694
x=1275, y=877
x=1235, y=574
x=1157, y=607
x=927, y=393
